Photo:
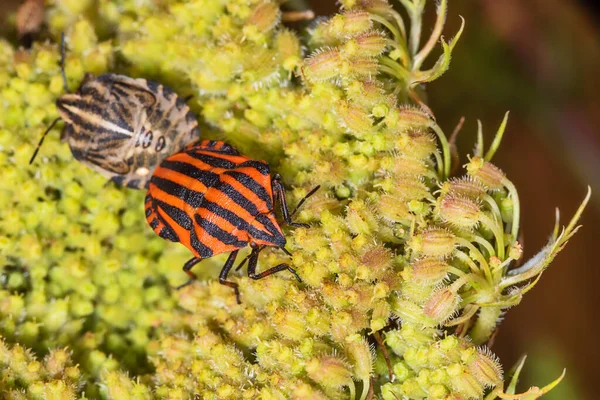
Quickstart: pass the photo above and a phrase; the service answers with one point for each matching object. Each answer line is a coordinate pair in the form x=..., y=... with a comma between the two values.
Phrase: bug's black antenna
x=304, y=199
x=42, y=139
x=62, y=61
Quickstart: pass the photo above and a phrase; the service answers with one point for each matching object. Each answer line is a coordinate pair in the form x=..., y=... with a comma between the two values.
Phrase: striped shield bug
x=123, y=127
x=214, y=200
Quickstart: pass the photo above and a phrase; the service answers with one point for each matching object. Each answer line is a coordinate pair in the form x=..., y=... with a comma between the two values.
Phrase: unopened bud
x=434, y=242
x=516, y=251
x=442, y=304
x=486, y=172
x=459, y=211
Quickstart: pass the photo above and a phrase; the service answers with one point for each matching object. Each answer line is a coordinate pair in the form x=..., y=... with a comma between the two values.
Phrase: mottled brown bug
x=30, y=17
x=124, y=127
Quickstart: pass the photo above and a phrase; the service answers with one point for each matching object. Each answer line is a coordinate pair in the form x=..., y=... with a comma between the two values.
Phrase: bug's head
x=270, y=233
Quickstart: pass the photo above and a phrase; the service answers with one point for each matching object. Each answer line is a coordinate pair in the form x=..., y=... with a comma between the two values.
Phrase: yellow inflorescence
x=390, y=265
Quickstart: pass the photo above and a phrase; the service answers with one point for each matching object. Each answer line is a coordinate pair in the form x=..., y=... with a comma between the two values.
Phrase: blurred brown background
x=540, y=60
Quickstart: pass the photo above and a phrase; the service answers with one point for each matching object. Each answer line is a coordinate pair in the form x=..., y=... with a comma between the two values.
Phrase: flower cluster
x=406, y=272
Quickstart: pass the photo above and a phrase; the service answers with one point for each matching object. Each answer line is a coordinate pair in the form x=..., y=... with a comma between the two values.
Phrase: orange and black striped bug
x=123, y=127
x=214, y=200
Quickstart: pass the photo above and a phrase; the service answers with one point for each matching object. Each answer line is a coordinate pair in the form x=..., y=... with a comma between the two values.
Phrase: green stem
x=400, y=23
x=482, y=261
x=445, y=149
x=388, y=25
x=463, y=257
x=404, y=57
x=420, y=57
x=498, y=234
x=485, y=324
x=516, y=208
x=416, y=18
x=493, y=206
x=403, y=72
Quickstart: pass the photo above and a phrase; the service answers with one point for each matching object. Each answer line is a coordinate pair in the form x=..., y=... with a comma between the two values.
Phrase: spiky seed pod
x=369, y=94
x=403, y=118
x=434, y=242
x=265, y=16
x=486, y=172
x=407, y=165
x=484, y=366
x=464, y=383
x=459, y=211
x=360, y=354
x=391, y=209
x=354, y=119
x=465, y=186
x=379, y=7
x=359, y=68
x=442, y=304
x=368, y=44
x=409, y=188
x=429, y=270
x=416, y=142
x=323, y=65
x=350, y=23
x=329, y=372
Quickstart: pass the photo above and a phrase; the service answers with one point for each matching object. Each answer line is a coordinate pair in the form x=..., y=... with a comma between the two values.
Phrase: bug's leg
x=253, y=261
x=279, y=193
x=245, y=260
x=225, y=272
x=187, y=269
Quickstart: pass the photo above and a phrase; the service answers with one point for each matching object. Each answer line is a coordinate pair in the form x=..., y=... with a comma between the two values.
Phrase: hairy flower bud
x=486, y=172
